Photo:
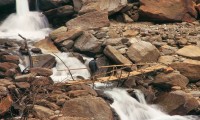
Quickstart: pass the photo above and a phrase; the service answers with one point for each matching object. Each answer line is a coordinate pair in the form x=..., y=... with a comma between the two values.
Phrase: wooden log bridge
x=122, y=76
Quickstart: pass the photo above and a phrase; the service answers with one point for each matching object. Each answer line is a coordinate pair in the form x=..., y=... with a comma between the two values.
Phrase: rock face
x=191, y=51
x=97, y=108
x=87, y=43
x=177, y=102
x=188, y=68
x=50, y=4
x=115, y=55
x=143, y=52
x=172, y=79
x=92, y=20
x=179, y=10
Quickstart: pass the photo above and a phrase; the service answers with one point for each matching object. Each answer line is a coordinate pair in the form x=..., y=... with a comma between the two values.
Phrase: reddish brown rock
x=170, y=10
x=23, y=85
x=42, y=81
x=177, y=102
x=5, y=105
x=91, y=20
x=6, y=66
x=97, y=108
x=10, y=58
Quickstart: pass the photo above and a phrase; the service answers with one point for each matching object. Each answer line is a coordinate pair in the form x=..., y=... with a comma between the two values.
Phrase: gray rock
x=143, y=52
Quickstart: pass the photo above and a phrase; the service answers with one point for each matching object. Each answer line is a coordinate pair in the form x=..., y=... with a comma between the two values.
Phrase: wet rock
x=180, y=10
x=10, y=58
x=44, y=61
x=42, y=112
x=188, y=68
x=72, y=34
x=177, y=102
x=46, y=45
x=41, y=71
x=63, y=11
x=190, y=51
x=143, y=52
x=115, y=55
x=23, y=85
x=98, y=109
x=50, y=4
x=87, y=43
x=166, y=81
x=102, y=61
x=92, y=20
x=36, y=50
x=58, y=32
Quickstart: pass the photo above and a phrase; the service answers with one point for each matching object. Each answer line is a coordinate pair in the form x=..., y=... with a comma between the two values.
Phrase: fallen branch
x=65, y=66
x=29, y=53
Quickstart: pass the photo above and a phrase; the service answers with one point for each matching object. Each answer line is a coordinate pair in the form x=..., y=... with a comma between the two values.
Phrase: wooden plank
x=124, y=75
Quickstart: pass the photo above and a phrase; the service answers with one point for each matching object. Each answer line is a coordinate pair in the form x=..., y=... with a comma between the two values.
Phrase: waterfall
x=30, y=24
x=37, y=5
x=129, y=108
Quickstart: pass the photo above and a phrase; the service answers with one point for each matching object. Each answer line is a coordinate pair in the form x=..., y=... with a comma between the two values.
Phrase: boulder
x=50, y=4
x=88, y=107
x=188, y=68
x=166, y=81
x=23, y=85
x=92, y=20
x=47, y=45
x=39, y=71
x=67, y=44
x=10, y=58
x=87, y=43
x=170, y=10
x=63, y=11
x=24, y=78
x=44, y=60
x=58, y=32
x=71, y=34
x=115, y=55
x=111, y=6
x=167, y=59
x=5, y=82
x=177, y=102
x=42, y=112
x=142, y=51
x=42, y=81
x=4, y=66
x=192, y=52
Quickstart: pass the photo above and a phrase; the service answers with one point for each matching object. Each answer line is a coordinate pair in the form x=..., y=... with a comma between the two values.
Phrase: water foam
x=32, y=25
x=129, y=108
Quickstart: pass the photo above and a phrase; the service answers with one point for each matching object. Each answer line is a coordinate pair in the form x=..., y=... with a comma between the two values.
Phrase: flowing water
x=31, y=25
x=128, y=108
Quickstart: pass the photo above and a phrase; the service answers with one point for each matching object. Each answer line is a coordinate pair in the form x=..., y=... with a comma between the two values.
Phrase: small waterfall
x=32, y=25
x=37, y=5
x=129, y=108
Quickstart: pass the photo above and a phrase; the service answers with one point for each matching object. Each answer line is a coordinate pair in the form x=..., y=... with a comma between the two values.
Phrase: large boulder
x=87, y=43
x=188, y=68
x=111, y=6
x=166, y=81
x=177, y=102
x=88, y=107
x=92, y=20
x=190, y=51
x=170, y=10
x=142, y=51
x=115, y=55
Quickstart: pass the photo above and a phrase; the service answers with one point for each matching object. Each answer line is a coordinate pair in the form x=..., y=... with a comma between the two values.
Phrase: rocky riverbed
x=138, y=32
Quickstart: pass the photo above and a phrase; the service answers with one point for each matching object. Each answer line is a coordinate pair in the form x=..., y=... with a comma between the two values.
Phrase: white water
x=31, y=25
x=129, y=108
x=72, y=63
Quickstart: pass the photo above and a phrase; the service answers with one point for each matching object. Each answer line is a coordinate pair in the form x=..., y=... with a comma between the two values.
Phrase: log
x=123, y=76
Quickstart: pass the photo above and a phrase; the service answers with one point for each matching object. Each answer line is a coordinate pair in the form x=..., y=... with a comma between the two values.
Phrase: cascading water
x=32, y=25
x=129, y=108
